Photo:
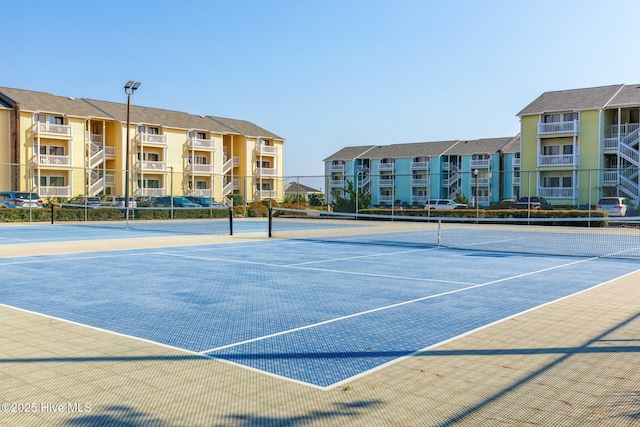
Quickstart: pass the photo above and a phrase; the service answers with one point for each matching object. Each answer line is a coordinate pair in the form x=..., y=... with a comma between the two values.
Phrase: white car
x=118, y=202
x=444, y=205
x=613, y=206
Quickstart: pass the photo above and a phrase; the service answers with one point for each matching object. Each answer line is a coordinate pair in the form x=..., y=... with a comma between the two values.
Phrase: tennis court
x=331, y=303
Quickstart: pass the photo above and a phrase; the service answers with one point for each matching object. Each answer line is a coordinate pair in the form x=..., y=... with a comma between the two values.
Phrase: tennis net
x=153, y=219
x=581, y=237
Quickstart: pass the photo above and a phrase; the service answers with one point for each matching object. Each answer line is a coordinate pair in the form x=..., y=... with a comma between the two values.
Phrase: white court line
x=337, y=319
x=326, y=270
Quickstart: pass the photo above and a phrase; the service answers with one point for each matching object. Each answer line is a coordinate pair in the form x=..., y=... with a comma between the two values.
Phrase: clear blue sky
x=325, y=74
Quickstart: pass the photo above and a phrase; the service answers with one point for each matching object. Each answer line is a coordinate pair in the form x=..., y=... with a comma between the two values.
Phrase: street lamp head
x=475, y=172
x=131, y=86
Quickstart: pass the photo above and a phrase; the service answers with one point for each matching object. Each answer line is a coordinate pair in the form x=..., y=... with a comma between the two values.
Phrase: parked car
x=206, y=202
x=19, y=199
x=82, y=202
x=533, y=203
x=144, y=201
x=444, y=205
x=613, y=206
x=178, y=202
x=118, y=202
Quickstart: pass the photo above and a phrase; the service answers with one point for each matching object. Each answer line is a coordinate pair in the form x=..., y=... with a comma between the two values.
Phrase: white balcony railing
x=484, y=182
x=266, y=194
x=559, y=127
x=337, y=182
x=558, y=160
x=420, y=182
x=267, y=149
x=51, y=160
x=151, y=192
x=420, y=165
x=152, y=138
x=203, y=169
x=624, y=128
x=516, y=180
x=201, y=192
x=266, y=172
x=52, y=129
x=419, y=199
x=62, y=191
x=386, y=182
x=386, y=166
x=610, y=176
x=385, y=198
x=480, y=163
x=204, y=144
x=516, y=162
x=151, y=166
x=337, y=167
x=557, y=192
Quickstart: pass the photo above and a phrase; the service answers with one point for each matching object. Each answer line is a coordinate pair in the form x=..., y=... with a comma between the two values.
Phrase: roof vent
x=72, y=98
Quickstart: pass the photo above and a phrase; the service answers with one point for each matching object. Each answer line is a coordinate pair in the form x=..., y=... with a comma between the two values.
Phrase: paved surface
x=569, y=363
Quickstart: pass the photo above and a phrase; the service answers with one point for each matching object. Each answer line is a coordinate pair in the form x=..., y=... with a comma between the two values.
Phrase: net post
x=439, y=231
x=270, y=222
x=51, y=213
x=231, y=221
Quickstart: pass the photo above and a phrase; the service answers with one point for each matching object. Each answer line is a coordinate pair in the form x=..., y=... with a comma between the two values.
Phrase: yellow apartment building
x=62, y=147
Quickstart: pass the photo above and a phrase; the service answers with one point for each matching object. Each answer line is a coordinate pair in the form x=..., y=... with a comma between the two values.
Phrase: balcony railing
x=151, y=166
x=610, y=176
x=484, y=182
x=203, y=144
x=152, y=138
x=557, y=192
x=420, y=182
x=337, y=168
x=62, y=191
x=267, y=149
x=558, y=160
x=151, y=192
x=386, y=166
x=337, y=182
x=51, y=160
x=386, y=182
x=419, y=199
x=202, y=192
x=52, y=129
x=517, y=161
x=266, y=194
x=420, y=165
x=266, y=172
x=199, y=168
x=481, y=163
x=385, y=199
x=516, y=180
x=559, y=127
x=624, y=128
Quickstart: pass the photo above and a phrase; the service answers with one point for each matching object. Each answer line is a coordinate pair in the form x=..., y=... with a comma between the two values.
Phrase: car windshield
x=93, y=199
x=608, y=201
x=181, y=200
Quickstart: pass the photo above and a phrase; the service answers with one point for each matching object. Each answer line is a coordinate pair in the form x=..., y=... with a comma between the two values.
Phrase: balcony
x=52, y=160
x=386, y=166
x=337, y=182
x=151, y=138
x=337, y=167
x=266, y=194
x=558, y=160
x=201, y=192
x=480, y=163
x=201, y=144
x=266, y=172
x=267, y=149
x=386, y=181
x=516, y=180
x=420, y=182
x=49, y=129
x=385, y=199
x=151, y=192
x=558, y=127
x=480, y=182
x=151, y=166
x=62, y=191
x=557, y=192
x=420, y=165
x=419, y=200
x=610, y=176
x=517, y=161
x=200, y=169
x=624, y=129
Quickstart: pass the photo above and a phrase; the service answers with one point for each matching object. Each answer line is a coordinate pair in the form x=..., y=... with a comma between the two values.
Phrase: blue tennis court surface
x=313, y=312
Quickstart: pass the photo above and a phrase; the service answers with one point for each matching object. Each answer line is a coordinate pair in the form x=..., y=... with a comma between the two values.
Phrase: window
x=567, y=181
x=551, y=118
x=56, y=151
x=200, y=160
x=153, y=130
x=201, y=185
x=56, y=120
x=149, y=183
x=151, y=157
x=567, y=149
x=569, y=117
x=52, y=181
x=201, y=135
x=551, y=181
x=264, y=164
x=551, y=150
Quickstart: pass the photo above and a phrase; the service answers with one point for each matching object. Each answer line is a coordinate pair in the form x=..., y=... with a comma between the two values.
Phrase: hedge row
x=104, y=214
x=482, y=213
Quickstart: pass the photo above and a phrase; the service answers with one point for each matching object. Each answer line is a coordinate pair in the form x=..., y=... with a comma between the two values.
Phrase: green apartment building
x=582, y=144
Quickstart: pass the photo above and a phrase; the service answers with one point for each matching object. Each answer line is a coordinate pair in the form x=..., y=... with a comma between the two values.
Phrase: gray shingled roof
x=479, y=146
x=245, y=127
x=294, y=187
x=349, y=153
x=81, y=107
x=41, y=101
x=409, y=150
x=629, y=95
x=512, y=146
x=575, y=99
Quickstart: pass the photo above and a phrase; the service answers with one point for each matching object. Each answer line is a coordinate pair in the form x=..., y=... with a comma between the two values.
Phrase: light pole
x=129, y=88
x=475, y=174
